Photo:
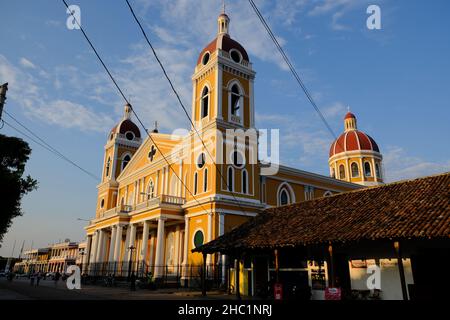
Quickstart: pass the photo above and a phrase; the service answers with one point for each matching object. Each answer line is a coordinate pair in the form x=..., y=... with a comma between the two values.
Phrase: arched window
x=205, y=180
x=230, y=179
x=151, y=190
x=367, y=169
x=341, y=171
x=125, y=161
x=244, y=181
x=284, y=197
x=198, y=238
x=108, y=166
x=355, y=170
x=195, y=182
x=235, y=100
x=205, y=102
x=378, y=170
x=327, y=193
x=201, y=160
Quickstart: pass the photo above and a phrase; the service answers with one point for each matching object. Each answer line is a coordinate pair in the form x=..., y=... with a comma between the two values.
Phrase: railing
x=152, y=202
x=159, y=275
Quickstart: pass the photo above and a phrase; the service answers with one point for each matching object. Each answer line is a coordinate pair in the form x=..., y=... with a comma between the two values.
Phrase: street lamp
x=131, y=248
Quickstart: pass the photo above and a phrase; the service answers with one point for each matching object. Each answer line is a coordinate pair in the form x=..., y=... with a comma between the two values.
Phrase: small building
x=381, y=242
x=62, y=255
x=34, y=260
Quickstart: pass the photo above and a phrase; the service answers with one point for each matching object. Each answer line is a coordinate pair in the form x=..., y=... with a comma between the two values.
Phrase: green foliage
x=14, y=153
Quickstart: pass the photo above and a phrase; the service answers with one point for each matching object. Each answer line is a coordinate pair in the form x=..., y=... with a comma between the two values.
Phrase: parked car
x=50, y=275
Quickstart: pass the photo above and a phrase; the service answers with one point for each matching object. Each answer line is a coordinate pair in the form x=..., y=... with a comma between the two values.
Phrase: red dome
x=225, y=43
x=353, y=140
x=349, y=115
x=126, y=125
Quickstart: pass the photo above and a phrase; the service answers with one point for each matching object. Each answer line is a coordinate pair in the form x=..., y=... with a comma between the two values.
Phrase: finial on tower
x=155, y=130
x=127, y=111
x=223, y=21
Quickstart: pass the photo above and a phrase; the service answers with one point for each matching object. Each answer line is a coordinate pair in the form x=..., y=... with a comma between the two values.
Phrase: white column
x=118, y=243
x=132, y=240
x=143, y=256
x=373, y=171
x=112, y=244
x=222, y=256
x=152, y=251
x=177, y=246
x=209, y=236
x=185, y=249
x=87, y=256
x=93, y=257
x=159, y=249
x=99, y=246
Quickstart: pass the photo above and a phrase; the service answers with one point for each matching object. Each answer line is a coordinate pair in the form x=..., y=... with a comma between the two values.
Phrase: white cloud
x=27, y=63
x=67, y=114
x=400, y=165
x=28, y=91
x=337, y=9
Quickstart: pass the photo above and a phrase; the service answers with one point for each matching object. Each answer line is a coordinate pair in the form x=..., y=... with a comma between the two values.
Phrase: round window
x=205, y=58
x=198, y=238
x=235, y=56
x=129, y=135
x=201, y=161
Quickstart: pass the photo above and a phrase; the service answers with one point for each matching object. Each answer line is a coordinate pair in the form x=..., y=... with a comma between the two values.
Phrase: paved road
x=20, y=289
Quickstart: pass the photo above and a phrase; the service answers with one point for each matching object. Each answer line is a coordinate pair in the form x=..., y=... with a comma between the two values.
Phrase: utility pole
x=3, y=89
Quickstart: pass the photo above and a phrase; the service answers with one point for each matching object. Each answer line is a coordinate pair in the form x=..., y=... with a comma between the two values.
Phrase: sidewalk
x=21, y=289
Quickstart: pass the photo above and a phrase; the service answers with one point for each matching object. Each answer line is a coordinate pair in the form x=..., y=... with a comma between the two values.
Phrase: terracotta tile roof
x=418, y=209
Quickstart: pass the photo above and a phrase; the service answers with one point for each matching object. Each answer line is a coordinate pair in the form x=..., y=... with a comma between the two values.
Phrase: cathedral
x=161, y=195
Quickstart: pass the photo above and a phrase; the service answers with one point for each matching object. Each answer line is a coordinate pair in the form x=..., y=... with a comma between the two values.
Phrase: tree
x=14, y=153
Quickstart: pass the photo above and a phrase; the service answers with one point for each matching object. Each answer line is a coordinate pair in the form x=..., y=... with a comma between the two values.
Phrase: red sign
x=332, y=293
x=278, y=291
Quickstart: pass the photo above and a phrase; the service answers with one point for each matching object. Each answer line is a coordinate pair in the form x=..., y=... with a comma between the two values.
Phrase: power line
x=180, y=102
x=131, y=107
x=291, y=67
x=45, y=145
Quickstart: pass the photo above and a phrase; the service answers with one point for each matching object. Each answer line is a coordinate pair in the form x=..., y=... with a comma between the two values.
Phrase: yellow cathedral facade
x=161, y=195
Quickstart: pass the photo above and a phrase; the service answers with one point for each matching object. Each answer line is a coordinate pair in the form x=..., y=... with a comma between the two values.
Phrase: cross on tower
x=152, y=153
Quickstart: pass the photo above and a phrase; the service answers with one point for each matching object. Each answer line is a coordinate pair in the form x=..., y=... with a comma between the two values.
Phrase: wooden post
x=204, y=275
x=237, y=284
x=277, y=267
x=331, y=270
x=401, y=270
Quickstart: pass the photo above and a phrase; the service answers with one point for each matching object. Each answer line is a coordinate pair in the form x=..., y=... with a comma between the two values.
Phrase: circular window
x=235, y=56
x=201, y=160
x=129, y=135
x=237, y=158
x=102, y=203
x=198, y=238
x=205, y=58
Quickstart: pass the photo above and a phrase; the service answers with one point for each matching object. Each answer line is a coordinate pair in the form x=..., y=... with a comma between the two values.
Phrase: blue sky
x=396, y=80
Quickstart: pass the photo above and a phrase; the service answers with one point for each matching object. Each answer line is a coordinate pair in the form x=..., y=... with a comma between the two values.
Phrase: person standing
x=132, y=282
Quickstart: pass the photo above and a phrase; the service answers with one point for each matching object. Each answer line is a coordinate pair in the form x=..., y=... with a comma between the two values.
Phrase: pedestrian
x=132, y=282
x=56, y=278
x=38, y=279
x=32, y=279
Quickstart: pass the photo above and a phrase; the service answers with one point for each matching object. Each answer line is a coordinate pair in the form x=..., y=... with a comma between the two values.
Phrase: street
x=20, y=289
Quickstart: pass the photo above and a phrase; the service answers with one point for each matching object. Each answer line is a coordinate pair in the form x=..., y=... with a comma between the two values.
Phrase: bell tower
x=123, y=141
x=223, y=91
